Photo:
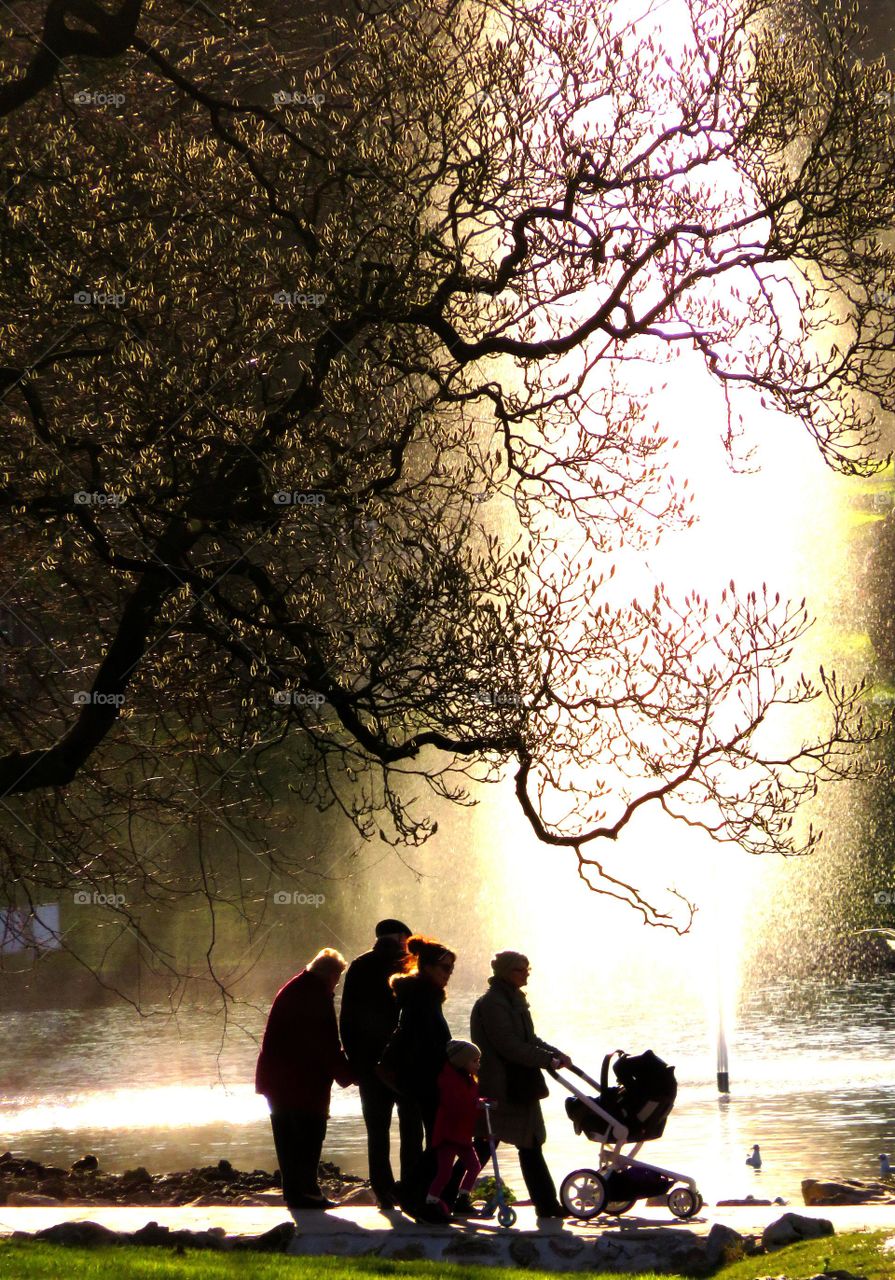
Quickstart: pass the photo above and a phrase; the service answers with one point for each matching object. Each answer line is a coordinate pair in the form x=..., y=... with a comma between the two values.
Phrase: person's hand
x=561, y=1060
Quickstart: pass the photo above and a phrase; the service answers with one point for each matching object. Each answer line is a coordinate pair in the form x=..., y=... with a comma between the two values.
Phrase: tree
x=327, y=426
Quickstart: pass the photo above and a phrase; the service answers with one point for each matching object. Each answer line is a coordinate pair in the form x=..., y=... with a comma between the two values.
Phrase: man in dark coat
x=299, y=1060
x=368, y=1019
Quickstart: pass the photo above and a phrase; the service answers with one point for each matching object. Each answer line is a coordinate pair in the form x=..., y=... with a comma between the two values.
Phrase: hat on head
x=391, y=926
x=459, y=1048
x=505, y=961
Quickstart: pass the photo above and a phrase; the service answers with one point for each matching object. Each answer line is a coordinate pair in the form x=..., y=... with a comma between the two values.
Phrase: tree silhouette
x=330, y=382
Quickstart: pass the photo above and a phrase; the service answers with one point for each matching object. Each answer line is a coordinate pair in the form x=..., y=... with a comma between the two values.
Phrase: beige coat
x=501, y=1026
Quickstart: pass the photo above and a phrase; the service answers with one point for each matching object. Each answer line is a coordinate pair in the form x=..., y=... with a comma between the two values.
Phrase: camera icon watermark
x=285, y=898
x=297, y=698
x=92, y=98
x=297, y=98
x=85, y=499
x=884, y=897
x=92, y=898
x=310, y=301
x=87, y=697
x=87, y=298
x=298, y=498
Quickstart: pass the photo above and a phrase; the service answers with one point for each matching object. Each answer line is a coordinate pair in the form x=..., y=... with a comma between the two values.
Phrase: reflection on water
x=811, y=1075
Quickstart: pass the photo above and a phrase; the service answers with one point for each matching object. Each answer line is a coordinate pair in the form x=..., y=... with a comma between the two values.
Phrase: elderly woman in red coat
x=300, y=1058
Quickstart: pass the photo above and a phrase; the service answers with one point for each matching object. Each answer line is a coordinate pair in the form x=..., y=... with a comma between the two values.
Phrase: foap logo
x=91, y=898
x=497, y=698
x=88, y=697
x=84, y=499
x=884, y=297
x=283, y=898
x=310, y=301
x=298, y=698
x=87, y=298
x=884, y=897
x=298, y=498
x=96, y=98
x=298, y=98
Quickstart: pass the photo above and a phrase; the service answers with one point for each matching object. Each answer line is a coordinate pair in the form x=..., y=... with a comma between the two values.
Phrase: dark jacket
x=502, y=1027
x=418, y=1049
x=369, y=1009
x=300, y=1053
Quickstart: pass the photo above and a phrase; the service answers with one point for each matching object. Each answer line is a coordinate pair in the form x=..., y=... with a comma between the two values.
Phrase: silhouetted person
x=367, y=1021
x=299, y=1060
x=416, y=1053
x=512, y=1058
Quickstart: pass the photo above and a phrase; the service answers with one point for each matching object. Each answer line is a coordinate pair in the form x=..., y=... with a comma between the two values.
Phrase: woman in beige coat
x=512, y=1058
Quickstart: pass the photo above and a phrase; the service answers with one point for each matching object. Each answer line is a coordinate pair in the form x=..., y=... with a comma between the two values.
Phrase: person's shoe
x=463, y=1206
x=313, y=1202
x=553, y=1211
x=387, y=1204
x=435, y=1212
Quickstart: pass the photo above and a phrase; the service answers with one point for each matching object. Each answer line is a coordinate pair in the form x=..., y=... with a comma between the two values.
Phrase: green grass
x=859, y=1253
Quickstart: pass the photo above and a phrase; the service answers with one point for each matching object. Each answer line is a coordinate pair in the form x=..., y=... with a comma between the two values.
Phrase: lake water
x=811, y=1076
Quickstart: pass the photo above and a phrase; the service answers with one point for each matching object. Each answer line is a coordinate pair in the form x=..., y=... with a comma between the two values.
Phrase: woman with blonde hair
x=300, y=1058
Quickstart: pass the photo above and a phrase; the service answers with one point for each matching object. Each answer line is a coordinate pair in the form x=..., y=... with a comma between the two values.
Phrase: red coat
x=300, y=1053
x=458, y=1096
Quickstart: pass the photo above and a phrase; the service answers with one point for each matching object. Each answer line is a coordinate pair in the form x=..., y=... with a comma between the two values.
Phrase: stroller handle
x=582, y=1075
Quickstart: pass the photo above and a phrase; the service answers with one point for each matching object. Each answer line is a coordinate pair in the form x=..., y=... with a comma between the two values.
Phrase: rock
x=81, y=1234
x=277, y=1240
x=565, y=1246
x=359, y=1196
x=225, y=1168
x=138, y=1177
x=848, y=1192
x=793, y=1227
x=836, y=1275
x=412, y=1252
x=749, y=1200
x=723, y=1245
x=31, y=1200
x=151, y=1234
x=524, y=1252
x=471, y=1247
x=56, y=1187
x=86, y=1164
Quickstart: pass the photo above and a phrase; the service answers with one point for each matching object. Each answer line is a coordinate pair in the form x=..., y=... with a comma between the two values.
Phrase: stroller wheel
x=583, y=1193
x=617, y=1207
x=683, y=1202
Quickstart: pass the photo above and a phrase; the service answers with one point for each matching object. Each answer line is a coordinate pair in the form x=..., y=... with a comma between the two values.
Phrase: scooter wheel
x=583, y=1193
x=506, y=1216
x=683, y=1202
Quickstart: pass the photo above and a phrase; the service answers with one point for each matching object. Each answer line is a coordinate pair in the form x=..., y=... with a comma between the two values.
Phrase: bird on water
x=755, y=1158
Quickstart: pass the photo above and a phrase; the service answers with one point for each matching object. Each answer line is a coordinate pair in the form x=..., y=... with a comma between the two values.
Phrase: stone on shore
x=80, y=1234
x=723, y=1244
x=31, y=1200
x=850, y=1191
x=793, y=1227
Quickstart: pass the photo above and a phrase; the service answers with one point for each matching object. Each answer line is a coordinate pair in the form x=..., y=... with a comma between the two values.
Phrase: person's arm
x=501, y=1032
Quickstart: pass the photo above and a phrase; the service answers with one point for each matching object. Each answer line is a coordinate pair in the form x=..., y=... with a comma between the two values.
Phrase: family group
x=393, y=1041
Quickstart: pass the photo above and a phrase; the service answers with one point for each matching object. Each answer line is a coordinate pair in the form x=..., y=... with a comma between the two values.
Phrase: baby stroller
x=627, y=1114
